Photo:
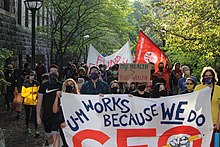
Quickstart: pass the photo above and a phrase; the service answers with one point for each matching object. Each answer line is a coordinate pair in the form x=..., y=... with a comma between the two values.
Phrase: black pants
x=8, y=97
x=32, y=109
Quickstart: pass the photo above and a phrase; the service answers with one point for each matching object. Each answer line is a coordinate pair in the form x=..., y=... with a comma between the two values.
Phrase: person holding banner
x=69, y=86
x=115, y=87
x=160, y=89
x=94, y=85
x=209, y=79
x=129, y=87
x=140, y=92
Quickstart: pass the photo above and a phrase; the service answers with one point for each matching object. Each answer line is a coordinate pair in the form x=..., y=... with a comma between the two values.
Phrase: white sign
x=120, y=121
x=121, y=56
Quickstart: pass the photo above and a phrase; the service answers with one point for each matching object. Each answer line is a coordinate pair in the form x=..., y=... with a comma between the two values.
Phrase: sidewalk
x=15, y=131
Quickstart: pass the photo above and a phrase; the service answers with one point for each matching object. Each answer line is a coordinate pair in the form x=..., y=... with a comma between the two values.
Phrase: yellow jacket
x=29, y=92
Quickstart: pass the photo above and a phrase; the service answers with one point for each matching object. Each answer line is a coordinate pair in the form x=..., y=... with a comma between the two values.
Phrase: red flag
x=147, y=51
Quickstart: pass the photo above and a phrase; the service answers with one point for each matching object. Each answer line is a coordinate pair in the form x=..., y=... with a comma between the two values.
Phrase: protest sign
x=134, y=73
x=121, y=56
x=121, y=121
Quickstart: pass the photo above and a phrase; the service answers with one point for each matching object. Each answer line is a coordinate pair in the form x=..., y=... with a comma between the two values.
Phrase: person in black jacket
x=160, y=89
x=17, y=81
x=9, y=89
x=140, y=91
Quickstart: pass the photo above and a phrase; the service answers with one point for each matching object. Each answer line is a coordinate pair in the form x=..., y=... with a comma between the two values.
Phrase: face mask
x=141, y=88
x=189, y=87
x=163, y=93
x=187, y=72
x=69, y=88
x=31, y=77
x=152, y=71
x=115, y=90
x=208, y=80
x=114, y=72
x=160, y=69
x=94, y=75
x=53, y=78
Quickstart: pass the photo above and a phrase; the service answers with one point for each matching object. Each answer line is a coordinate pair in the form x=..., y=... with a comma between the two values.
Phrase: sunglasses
x=189, y=83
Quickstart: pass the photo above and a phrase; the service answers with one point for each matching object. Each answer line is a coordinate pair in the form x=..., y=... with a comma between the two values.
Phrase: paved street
x=15, y=131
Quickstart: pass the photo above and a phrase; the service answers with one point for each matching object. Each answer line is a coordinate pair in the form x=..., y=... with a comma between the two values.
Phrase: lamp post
x=86, y=51
x=33, y=6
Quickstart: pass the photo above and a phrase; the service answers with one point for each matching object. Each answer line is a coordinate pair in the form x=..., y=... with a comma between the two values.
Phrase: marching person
x=46, y=97
x=140, y=91
x=69, y=86
x=17, y=86
x=209, y=79
x=182, y=81
x=115, y=87
x=160, y=89
x=29, y=92
x=94, y=85
x=9, y=89
x=176, y=74
x=190, y=85
x=164, y=72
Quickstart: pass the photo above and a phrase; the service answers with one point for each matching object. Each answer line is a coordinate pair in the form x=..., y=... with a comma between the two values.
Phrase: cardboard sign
x=134, y=72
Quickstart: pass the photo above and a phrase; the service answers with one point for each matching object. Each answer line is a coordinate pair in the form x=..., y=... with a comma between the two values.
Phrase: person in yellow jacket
x=209, y=79
x=29, y=92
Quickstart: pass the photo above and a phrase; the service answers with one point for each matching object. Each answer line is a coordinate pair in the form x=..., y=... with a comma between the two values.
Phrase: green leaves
x=4, y=54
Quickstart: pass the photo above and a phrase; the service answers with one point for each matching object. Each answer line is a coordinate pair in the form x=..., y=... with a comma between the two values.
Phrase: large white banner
x=121, y=121
x=121, y=56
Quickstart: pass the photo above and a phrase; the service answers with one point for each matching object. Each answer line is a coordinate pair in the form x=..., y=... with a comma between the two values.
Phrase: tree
x=190, y=30
x=71, y=20
x=145, y=18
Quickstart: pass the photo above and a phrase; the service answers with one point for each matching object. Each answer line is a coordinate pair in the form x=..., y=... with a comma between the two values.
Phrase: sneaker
x=37, y=134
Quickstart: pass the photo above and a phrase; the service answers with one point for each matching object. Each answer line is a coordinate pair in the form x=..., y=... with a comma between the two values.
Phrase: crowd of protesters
x=40, y=91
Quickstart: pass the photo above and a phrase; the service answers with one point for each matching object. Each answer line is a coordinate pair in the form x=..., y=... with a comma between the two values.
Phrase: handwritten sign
x=134, y=72
x=121, y=56
x=121, y=121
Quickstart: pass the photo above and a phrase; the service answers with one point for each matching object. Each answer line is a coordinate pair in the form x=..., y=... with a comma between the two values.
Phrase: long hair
x=214, y=74
x=75, y=87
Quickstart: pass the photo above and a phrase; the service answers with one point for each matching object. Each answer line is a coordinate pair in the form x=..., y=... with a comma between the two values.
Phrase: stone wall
x=17, y=38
